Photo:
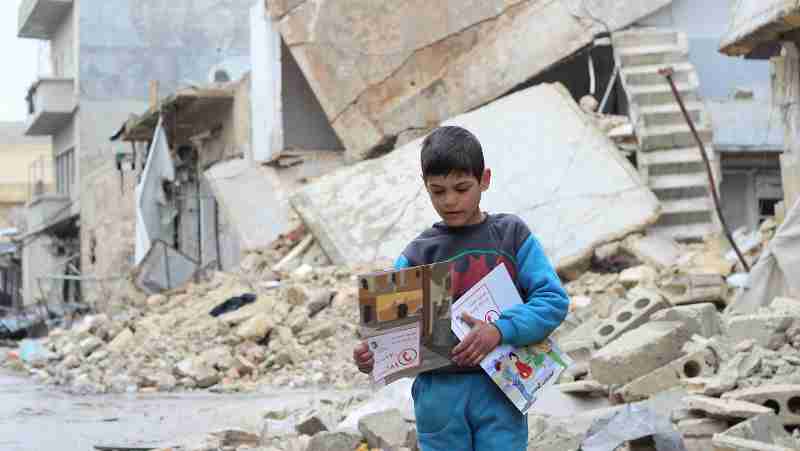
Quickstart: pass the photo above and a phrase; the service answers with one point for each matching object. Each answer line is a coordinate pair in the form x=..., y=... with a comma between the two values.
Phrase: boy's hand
x=482, y=340
x=363, y=358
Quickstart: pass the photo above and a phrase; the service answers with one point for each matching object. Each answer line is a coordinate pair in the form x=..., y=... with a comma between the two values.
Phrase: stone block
x=697, y=364
x=386, y=430
x=694, y=289
x=638, y=352
x=122, y=342
x=700, y=319
x=784, y=400
x=655, y=250
x=724, y=408
x=634, y=313
x=761, y=328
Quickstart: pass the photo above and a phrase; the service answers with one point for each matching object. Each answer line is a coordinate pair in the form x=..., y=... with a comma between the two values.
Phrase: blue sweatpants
x=466, y=412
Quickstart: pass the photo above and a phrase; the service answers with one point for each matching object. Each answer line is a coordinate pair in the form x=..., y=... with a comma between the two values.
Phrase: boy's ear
x=486, y=179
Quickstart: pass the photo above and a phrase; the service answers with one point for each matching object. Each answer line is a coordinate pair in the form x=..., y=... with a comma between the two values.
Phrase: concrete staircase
x=668, y=158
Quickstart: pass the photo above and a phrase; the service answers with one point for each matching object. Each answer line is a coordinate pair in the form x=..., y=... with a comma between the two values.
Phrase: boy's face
x=456, y=197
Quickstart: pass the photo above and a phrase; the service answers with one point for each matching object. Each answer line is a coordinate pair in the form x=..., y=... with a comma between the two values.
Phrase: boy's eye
x=437, y=192
x=462, y=190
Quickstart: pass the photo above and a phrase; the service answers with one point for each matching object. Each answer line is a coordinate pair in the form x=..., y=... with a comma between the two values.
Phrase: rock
x=608, y=250
x=235, y=438
x=297, y=320
x=122, y=342
x=701, y=319
x=219, y=357
x=638, y=275
x=761, y=328
x=156, y=300
x=638, y=352
x=312, y=424
x=297, y=295
x=318, y=332
x=334, y=441
x=303, y=271
x=655, y=250
x=321, y=300
x=386, y=430
x=256, y=328
x=72, y=361
x=196, y=369
x=725, y=408
x=89, y=345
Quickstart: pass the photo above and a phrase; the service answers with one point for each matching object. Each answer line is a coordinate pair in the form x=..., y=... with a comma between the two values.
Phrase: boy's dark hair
x=448, y=149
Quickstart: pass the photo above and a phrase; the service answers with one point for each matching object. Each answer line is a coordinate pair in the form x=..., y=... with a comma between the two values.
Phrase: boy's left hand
x=481, y=340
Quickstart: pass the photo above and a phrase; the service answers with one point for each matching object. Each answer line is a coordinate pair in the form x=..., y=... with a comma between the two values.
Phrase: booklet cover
x=521, y=373
x=405, y=317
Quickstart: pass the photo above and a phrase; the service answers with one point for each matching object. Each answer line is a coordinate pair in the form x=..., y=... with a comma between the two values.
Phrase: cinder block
x=724, y=408
x=697, y=364
x=783, y=399
x=694, y=289
x=639, y=352
x=700, y=319
x=635, y=313
x=761, y=328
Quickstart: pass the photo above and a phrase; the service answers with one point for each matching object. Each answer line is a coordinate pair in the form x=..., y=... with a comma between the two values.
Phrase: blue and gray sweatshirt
x=477, y=249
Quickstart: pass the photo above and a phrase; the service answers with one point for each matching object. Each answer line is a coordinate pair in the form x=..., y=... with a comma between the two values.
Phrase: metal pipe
x=668, y=72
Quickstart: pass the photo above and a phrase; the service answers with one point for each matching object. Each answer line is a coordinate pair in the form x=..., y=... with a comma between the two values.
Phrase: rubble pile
x=234, y=332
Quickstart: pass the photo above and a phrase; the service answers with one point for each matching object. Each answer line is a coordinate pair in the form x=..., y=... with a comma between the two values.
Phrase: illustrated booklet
x=520, y=372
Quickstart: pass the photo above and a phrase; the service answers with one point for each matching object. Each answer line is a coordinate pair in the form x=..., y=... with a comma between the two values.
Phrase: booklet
x=405, y=317
x=521, y=373
x=411, y=322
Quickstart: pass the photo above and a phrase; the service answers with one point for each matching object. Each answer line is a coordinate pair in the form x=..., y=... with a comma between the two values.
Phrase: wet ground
x=42, y=418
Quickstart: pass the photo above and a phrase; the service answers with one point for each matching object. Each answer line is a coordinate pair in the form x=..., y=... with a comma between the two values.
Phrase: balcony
x=39, y=19
x=51, y=104
x=47, y=210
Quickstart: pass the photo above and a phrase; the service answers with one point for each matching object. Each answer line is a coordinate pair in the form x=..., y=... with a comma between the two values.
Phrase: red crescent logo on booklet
x=492, y=316
x=407, y=357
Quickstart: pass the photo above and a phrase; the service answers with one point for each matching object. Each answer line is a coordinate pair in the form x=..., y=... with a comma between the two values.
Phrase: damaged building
x=103, y=57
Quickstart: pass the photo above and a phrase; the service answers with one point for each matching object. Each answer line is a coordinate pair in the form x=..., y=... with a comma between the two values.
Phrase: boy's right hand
x=363, y=358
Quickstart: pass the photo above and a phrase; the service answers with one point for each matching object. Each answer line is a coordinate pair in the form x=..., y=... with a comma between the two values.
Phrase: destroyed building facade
x=767, y=29
x=102, y=57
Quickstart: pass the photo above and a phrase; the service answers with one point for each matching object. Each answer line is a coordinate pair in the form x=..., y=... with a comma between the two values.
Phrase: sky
x=20, y=64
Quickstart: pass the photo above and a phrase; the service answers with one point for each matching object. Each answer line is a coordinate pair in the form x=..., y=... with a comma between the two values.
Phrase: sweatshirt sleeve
x=401, y=262
x=546, y=303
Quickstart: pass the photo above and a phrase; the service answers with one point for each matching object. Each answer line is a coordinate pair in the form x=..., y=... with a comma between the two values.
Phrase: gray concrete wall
x=126, y=43
x=62, y=48
x=100, y=120
x=706, y=23
x=36, y=262
x=305, y=125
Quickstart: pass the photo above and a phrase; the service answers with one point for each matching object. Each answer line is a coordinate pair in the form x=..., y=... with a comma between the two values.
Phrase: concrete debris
x=698, y=364
x=783, y=399
x=385, y=430
x=334, y=441
x=725, y=408
x=695, y=288
x=632, y=315
x=355, y=221
x=699, y=319
x=638, y=352
x=761, y=433
x=768, y=330
x=659, y=251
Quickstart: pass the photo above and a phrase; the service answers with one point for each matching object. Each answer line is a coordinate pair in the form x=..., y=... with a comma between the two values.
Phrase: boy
x=459, y=408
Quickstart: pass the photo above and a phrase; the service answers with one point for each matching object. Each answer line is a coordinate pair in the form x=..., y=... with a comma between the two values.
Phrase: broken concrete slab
x=783, y=399
x=697, y=364
x=659, y=251
x=701, y=427
x=333, y=441
x=632, y=315
x=258, y=217
x=584, y=387
x=370, y=211
x=724, y=408
x=440, y=59
x=638, y=352
x=638, y=275
x=700, y=319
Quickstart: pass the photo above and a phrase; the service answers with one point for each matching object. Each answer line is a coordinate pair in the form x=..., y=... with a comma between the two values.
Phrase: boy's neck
x=478, y=217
